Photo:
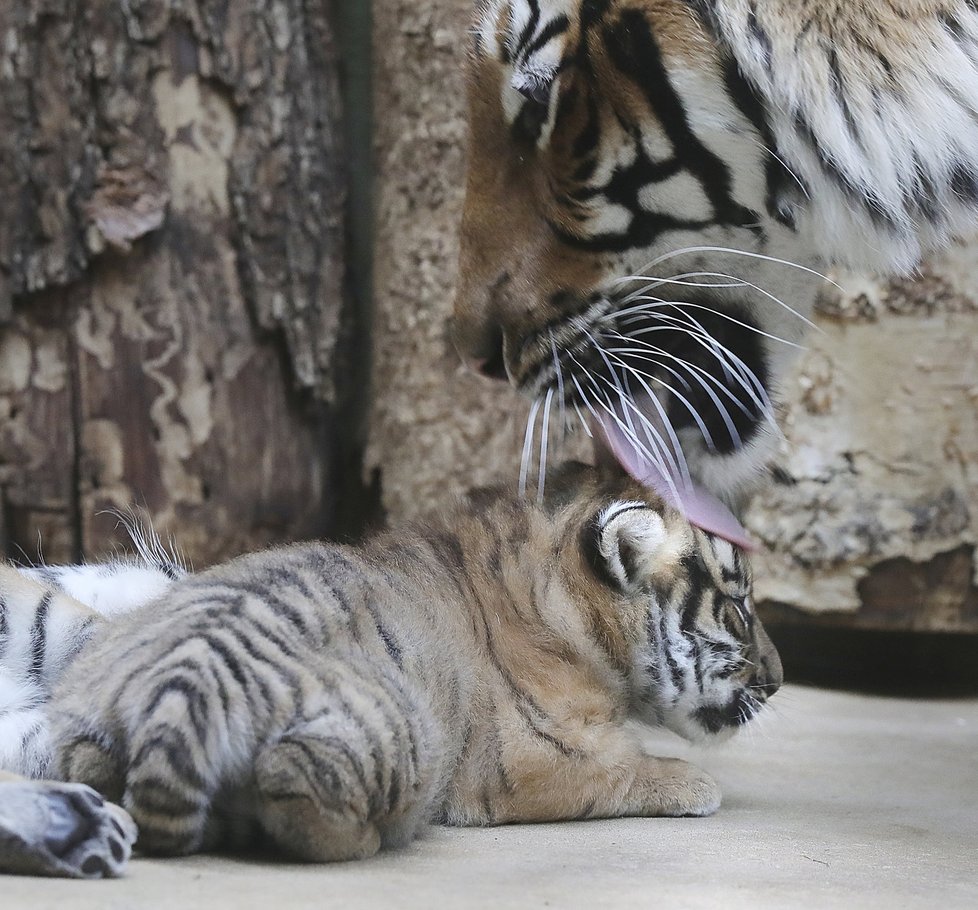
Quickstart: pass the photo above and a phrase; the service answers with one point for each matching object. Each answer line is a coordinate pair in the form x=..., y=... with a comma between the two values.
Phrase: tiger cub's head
x=653, y=186
x=672, y=605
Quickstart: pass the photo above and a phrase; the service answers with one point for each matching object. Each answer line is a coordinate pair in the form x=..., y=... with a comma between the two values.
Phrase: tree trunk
x=874, y=520
x=171, y=272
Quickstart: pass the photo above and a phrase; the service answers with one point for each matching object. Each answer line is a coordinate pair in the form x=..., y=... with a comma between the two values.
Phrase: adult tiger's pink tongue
x=700, y=508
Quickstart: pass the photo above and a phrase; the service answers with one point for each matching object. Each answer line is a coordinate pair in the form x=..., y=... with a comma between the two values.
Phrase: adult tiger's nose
x=491, y=368
x=485, y=355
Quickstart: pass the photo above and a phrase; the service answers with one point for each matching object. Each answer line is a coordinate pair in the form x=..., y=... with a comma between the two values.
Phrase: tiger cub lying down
x=487, y=668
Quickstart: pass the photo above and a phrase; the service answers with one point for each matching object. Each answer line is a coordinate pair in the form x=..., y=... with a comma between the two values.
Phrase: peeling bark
x=171, y=271
x=873, y=520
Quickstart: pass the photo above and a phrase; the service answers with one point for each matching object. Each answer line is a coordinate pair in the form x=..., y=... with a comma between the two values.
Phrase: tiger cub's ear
x=626, y=543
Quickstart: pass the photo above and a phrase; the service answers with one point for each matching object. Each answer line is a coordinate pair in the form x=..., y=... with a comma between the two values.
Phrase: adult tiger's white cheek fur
x=873, y=105
x=25, y=737
x=109, y=588
x=47, y=613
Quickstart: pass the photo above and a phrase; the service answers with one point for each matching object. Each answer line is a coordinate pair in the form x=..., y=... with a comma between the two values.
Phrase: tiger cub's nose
x=767, y=679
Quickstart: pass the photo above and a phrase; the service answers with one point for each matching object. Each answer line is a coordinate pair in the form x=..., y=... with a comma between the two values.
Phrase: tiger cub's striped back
x=476, y=669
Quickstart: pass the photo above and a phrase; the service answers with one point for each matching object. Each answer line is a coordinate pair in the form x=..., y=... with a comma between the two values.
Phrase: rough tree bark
x=171, y=269
x=874, y=521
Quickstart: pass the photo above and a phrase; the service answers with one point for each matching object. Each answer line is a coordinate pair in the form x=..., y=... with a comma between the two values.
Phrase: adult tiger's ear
x=871, y=107
x=625, y=543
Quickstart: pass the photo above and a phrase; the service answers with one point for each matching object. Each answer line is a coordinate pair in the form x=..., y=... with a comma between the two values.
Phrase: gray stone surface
x=881, y=457
x=834, y=801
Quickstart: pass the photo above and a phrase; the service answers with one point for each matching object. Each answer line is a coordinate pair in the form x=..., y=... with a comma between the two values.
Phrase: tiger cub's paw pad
x=68, y=830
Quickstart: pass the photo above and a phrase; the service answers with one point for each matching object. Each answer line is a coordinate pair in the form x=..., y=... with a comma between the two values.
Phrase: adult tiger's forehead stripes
x=507, y=29
x=511, y=31
x=612, y=42
x=637, y=54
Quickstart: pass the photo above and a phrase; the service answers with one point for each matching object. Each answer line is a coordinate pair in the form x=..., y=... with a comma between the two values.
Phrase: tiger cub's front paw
x=676, y=788
x=700, y=794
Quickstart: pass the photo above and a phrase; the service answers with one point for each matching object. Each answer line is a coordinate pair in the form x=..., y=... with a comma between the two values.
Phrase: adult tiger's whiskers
x=735, y=367
x=653, y=281
x=614, y=352
x=731, y=363
x=696, y=373
x=544, y=439
x=528, y=444
x=604, y=402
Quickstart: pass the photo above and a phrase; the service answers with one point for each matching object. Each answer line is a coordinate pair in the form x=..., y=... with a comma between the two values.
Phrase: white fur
x=110, y=589
x=905, y=124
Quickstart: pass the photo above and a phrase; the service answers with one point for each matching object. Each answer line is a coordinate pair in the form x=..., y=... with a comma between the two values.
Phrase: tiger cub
x=483, y=669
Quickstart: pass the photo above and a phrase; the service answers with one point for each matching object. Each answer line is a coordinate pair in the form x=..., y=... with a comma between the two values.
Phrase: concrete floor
x=835, y=800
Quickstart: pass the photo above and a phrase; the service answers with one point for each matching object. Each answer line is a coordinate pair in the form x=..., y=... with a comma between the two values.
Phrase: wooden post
x=171, y=272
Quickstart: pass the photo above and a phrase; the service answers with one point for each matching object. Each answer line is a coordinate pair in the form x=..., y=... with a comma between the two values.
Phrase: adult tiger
x=654, y=186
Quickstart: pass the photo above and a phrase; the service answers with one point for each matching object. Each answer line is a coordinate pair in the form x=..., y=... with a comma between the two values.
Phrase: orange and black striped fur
x=489, y=667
